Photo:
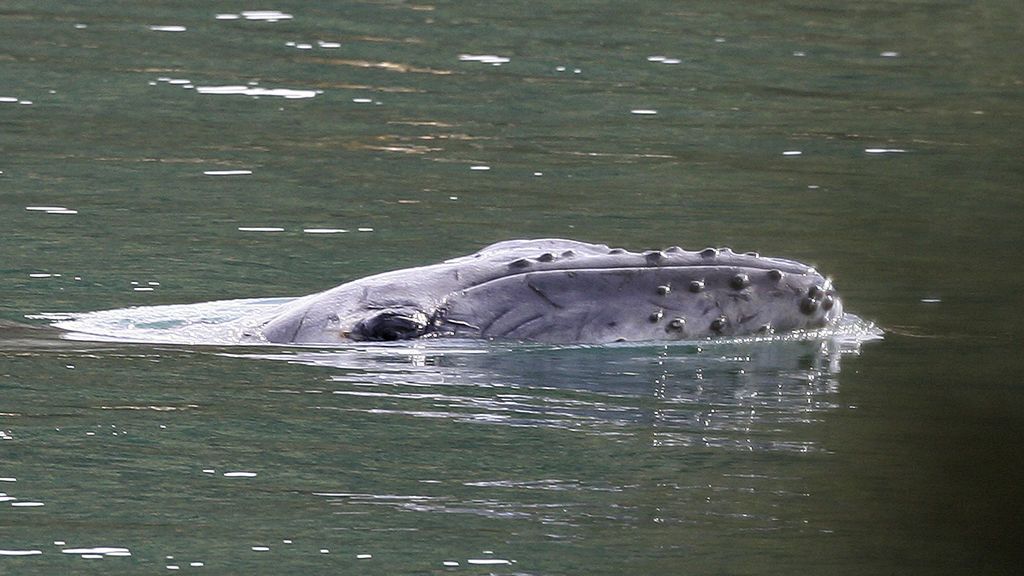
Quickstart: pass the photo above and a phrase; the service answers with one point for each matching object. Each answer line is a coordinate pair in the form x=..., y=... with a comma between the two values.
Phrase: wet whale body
x=564, y=291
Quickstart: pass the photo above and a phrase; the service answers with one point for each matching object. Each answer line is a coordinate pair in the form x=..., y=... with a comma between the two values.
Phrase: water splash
x=208, y=323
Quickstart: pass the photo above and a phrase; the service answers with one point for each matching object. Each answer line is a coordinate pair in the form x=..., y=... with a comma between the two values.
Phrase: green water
x=773, y=459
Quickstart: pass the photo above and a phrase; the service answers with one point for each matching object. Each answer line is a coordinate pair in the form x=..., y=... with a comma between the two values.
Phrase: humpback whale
x=564, y=291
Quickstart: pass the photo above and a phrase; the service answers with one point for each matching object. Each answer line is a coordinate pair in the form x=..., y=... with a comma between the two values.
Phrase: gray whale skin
x=564, y=291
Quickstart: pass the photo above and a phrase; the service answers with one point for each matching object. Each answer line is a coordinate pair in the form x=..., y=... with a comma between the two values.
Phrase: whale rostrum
x=564, y=291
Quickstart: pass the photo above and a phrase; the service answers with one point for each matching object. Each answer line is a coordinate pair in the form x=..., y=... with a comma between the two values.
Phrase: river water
x=158, y=153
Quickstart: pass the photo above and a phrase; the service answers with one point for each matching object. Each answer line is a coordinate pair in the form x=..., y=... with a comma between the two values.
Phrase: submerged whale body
x=564, y=291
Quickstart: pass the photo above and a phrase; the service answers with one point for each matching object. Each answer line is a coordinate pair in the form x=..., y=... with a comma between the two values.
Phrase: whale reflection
x=741, y=395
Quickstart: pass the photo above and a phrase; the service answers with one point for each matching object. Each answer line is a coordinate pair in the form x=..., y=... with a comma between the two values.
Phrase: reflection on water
x=714, y=395
x=13, y=100
x=491, y=59
x=257, y=15
x=288, y=93
x=252, y=89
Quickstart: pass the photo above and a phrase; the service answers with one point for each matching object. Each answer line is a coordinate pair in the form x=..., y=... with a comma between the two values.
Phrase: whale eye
x=389, y=326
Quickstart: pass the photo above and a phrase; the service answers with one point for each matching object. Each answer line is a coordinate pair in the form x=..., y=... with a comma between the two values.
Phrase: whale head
x=563, y=291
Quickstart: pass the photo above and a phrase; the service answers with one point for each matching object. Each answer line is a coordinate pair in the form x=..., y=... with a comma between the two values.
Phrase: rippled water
x=168, y=153
x=420, y=457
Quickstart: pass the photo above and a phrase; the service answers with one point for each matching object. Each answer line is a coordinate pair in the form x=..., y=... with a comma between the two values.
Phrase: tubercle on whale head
x=537, y=255
x=822, y=303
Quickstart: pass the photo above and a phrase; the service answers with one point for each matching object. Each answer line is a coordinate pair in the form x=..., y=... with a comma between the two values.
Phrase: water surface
x=178, y=152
